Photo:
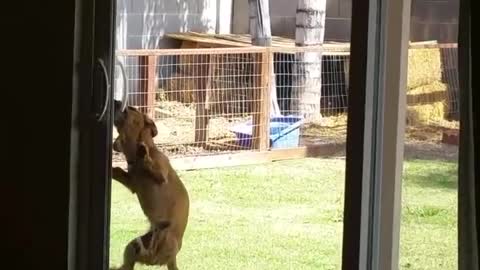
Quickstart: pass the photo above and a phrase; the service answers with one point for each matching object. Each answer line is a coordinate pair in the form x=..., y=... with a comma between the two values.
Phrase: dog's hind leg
x=137, y=251
x=172, y=264
x=131, y=254
x=172, y=250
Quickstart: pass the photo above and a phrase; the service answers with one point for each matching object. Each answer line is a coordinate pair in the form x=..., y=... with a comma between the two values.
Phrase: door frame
x=370, y=113
x=91, y=138
x=375, y=134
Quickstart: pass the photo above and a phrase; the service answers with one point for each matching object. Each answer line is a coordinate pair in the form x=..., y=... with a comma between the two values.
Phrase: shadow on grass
x=431, y=174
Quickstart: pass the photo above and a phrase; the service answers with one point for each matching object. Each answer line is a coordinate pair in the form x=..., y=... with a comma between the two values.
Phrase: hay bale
x=424, y=66
x=425, y=94
x=180, y=87
x=425, y=113
x=427, y=103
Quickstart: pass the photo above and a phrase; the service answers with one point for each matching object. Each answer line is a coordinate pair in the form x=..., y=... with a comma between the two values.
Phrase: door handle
x=125, y=85
x=99, y=116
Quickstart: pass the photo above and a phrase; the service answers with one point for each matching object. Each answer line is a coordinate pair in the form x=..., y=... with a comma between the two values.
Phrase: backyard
x=288, y=215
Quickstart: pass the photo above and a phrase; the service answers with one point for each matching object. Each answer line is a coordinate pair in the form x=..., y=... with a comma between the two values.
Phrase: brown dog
x=161, y=193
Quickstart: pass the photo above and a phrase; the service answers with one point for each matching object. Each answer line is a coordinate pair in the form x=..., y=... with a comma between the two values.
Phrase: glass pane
x=224, y=111
x=429, y=207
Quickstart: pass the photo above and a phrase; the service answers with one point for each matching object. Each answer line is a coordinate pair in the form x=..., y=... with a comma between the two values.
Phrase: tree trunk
x=261, y=36
x=307, y=80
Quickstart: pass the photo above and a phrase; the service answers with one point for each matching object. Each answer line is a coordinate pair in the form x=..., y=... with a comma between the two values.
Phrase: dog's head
x=133, y=127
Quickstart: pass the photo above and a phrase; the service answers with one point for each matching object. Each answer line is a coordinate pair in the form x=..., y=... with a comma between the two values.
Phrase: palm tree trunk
x=307, y=80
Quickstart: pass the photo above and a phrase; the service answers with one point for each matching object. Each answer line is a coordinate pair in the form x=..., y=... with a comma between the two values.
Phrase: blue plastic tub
x=284, y=132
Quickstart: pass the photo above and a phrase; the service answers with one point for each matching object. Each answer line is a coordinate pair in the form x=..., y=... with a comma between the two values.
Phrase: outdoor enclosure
x=211, y=100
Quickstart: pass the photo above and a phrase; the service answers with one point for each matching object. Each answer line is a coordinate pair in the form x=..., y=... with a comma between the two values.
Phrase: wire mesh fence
x=313, y=84
x=202, y=101
x=207, y=101
x=450, y=77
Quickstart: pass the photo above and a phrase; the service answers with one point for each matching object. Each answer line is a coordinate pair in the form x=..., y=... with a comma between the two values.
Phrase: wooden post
x=261, y=36
x=260, y=23
x=145, y=98
x=310, y=29
x=208, y=86
x=201, y=121
x=202, y=117
x=262, y=101
x=346, y=72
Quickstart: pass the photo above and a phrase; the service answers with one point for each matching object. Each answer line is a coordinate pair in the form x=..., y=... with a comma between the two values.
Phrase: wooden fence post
x=261, y=107
x=147, y=85
x=260, y=30
x=202, y=117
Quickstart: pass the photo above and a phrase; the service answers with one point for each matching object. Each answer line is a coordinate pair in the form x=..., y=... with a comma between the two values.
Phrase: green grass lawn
x=288, y=215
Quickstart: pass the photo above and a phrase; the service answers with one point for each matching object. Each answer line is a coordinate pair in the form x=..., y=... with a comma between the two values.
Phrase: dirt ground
x=421, y=142
x=176, y=125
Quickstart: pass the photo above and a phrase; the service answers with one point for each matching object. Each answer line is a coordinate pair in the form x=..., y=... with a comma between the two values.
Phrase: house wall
x=282, y=18
x=431, y=19
x=434, y=20
x=141, y=24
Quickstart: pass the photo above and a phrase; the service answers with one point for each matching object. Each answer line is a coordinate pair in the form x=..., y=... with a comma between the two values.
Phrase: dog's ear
x=142, y=151
x=151, y=124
